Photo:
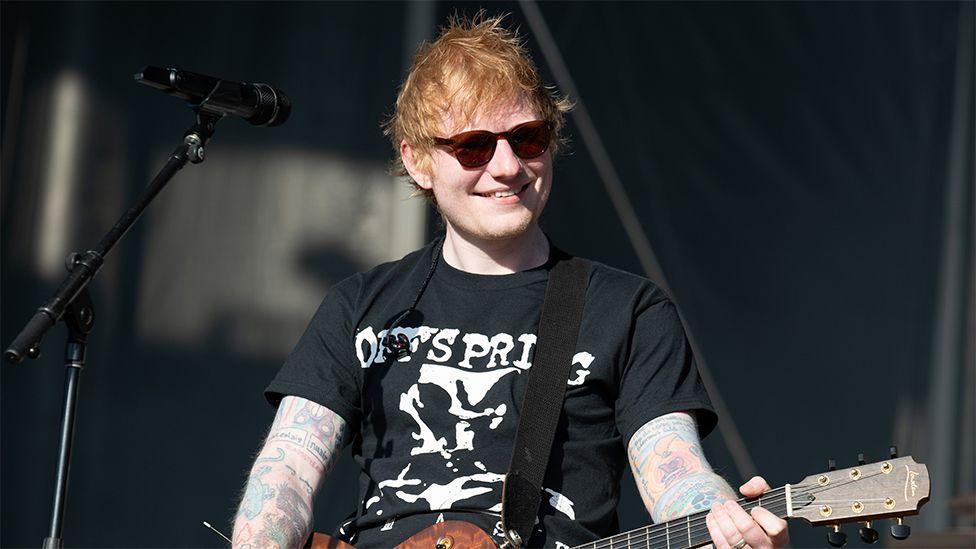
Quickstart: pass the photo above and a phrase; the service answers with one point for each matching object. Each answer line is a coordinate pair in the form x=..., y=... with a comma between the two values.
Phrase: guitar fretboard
x=690, y=531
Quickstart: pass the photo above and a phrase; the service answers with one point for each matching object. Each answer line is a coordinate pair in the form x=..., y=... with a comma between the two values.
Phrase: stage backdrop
x=802, y=172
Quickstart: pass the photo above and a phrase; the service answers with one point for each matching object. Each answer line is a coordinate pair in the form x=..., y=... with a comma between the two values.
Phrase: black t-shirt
x=434, y=430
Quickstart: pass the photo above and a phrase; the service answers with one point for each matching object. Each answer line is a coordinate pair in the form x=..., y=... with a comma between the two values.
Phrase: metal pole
x=74, y=362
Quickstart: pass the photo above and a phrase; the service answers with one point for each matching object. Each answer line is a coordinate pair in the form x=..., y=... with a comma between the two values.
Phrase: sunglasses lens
x=475, y=148
x=531, y=139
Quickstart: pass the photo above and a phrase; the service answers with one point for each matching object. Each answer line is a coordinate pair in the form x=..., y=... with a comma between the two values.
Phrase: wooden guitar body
x=450, y=534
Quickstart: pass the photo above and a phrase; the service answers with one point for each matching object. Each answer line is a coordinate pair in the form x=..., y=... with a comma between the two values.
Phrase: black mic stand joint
x=197, y=136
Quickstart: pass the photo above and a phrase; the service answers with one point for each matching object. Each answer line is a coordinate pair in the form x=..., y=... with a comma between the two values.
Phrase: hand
x=730, y=525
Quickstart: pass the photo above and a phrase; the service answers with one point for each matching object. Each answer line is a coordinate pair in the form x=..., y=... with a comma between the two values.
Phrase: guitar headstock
x=885, y=489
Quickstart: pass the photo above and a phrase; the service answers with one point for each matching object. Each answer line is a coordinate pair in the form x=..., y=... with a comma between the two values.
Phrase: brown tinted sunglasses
x=475, y=148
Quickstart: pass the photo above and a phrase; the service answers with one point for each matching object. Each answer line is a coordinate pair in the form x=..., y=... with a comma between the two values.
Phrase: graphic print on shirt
x=461, y=370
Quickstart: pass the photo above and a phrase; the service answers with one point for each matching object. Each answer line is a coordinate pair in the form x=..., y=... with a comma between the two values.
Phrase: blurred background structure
x=800, y=175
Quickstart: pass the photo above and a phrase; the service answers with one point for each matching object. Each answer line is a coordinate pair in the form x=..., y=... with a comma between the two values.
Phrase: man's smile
x=504, y=196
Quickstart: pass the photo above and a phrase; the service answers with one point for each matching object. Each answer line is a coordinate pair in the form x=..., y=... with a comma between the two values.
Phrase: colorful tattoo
x=670, y=468
x=676, y=458
x=312, y=427
x=279, y=457
x=294, y=507
x=255, y=494
x=301, y=448
x=273, y=533
x=693, y=494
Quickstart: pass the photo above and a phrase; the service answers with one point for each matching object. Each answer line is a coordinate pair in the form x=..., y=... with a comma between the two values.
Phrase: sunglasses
x=475, y=148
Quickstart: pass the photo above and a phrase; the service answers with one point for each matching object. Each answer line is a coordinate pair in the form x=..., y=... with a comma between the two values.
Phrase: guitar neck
x=689, y=531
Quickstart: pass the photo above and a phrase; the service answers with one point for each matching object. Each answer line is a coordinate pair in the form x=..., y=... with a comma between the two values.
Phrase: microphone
x=259, y=104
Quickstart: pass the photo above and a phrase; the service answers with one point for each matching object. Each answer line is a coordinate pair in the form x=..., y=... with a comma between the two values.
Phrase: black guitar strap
x=556, y=338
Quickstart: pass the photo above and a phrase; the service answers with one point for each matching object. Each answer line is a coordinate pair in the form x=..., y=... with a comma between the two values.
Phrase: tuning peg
x=893, y=451
x=836, y=538
x=860, y=459
x=831, y=465
x=868, y=534
x=900, y=530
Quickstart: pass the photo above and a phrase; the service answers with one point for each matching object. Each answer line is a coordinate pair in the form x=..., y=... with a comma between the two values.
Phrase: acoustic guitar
x=890, y=489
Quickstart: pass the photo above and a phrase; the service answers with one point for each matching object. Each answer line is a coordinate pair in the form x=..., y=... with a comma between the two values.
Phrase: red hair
x=474, y=64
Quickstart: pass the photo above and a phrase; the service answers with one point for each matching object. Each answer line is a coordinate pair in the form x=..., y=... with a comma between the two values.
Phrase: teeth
x=503, y=194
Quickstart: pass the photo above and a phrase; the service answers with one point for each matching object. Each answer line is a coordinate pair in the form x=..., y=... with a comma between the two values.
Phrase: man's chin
x=495, y=233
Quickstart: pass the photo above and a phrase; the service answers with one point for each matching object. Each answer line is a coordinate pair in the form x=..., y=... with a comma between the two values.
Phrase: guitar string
x=874, y=500
x=774, y=493
x=770, y=494
x=695, y=520
x=695, y=526
x=698, y=518
x=698, y=534
x=801, y=491
x=697, y=529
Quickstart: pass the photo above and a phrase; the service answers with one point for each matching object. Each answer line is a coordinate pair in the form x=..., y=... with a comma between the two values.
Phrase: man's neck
x=495, y=257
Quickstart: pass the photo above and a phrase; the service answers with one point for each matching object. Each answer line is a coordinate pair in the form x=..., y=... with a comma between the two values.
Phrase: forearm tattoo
x=670, y=469
x=276, y=508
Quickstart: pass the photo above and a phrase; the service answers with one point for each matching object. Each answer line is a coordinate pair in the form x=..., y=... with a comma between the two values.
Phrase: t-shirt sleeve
x=323, y=366
x=660, y=375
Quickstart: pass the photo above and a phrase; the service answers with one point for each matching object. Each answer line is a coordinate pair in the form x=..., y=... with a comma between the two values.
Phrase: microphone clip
x=398, y=345
x=197, y=136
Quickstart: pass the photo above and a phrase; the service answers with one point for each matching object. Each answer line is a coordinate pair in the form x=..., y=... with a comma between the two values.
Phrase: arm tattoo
x=280, y=456
x=311, y=427
x=255, y=494
x=671, y=471
x=276, y=508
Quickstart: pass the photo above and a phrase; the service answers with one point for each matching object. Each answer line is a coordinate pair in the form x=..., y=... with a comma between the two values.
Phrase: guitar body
x=450, y=534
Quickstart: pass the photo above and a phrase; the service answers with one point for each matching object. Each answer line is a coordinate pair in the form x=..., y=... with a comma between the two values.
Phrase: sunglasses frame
x=453, y=142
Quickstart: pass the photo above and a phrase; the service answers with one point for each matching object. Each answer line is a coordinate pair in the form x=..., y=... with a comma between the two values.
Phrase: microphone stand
x=72, y=303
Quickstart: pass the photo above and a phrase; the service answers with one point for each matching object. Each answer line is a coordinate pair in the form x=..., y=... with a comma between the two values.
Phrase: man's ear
x=412, y=163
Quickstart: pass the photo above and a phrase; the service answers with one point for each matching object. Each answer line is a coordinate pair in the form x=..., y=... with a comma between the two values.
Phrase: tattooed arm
x=669, y=466
x=302, y=445
x=675, y=480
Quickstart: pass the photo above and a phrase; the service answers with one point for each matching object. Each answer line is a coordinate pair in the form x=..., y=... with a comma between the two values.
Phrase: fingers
x=718, y=538
x=754, y=487
x=774, y=526
x=734, y=529
x=749, y=530
x=728, y=524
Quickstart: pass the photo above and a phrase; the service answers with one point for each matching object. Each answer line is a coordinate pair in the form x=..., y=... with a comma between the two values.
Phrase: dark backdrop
x=788, y=162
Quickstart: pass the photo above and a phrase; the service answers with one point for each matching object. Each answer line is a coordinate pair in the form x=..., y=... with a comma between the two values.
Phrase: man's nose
x=504, y=164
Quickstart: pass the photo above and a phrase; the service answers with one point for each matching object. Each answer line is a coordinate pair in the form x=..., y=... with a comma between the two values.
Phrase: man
x=432, y=427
